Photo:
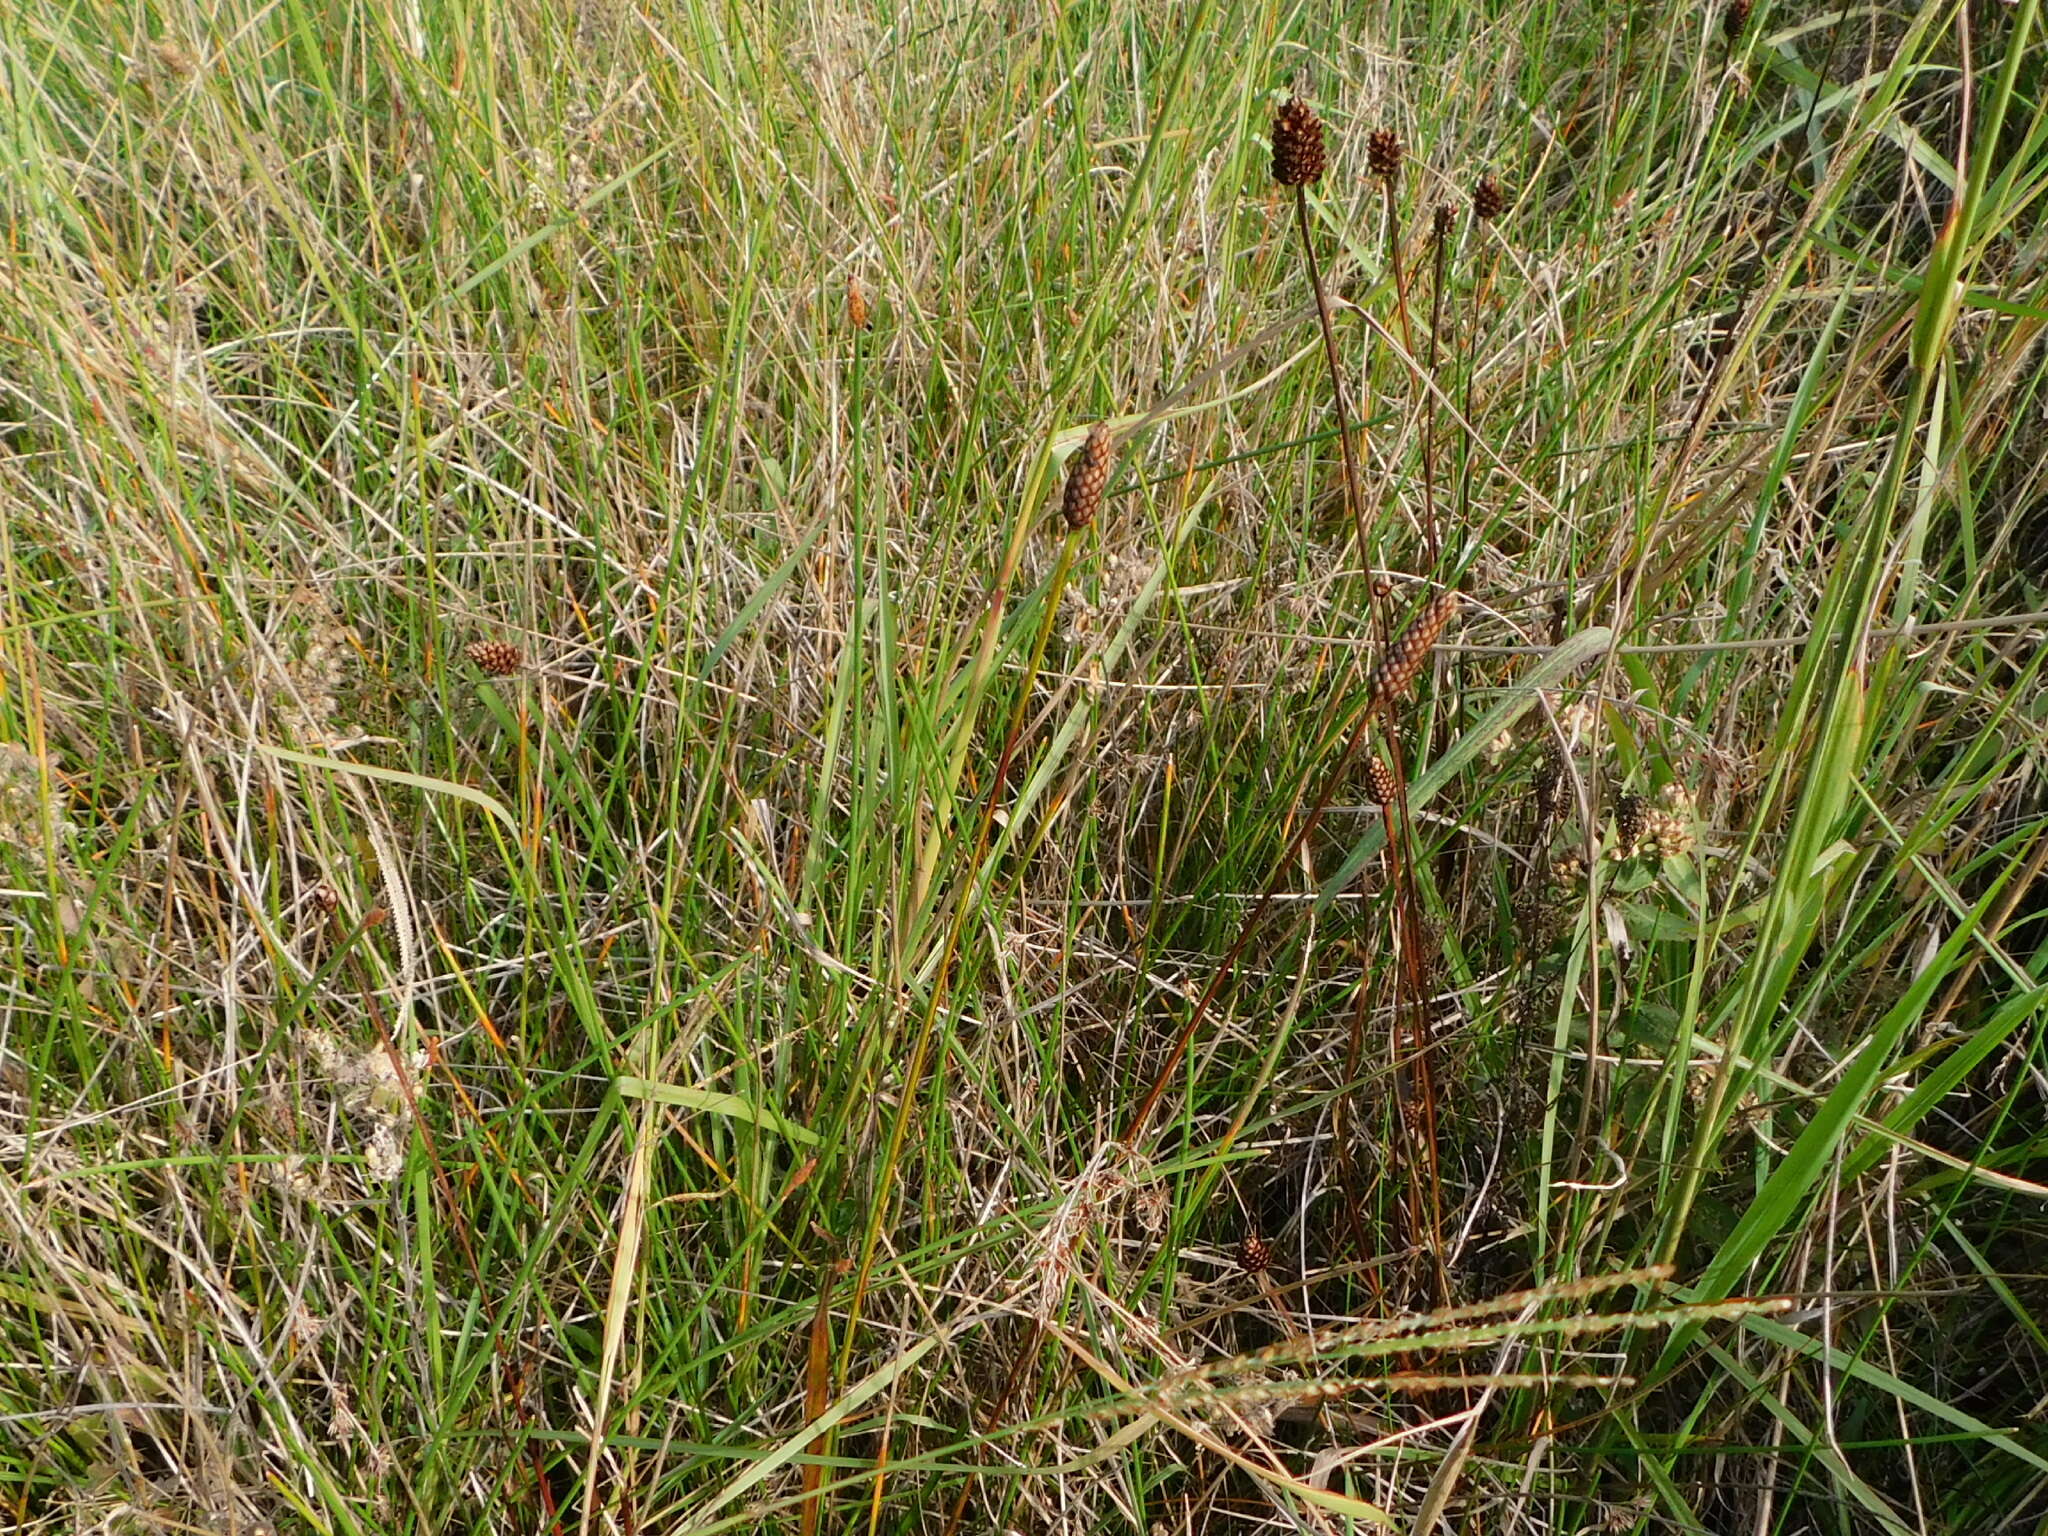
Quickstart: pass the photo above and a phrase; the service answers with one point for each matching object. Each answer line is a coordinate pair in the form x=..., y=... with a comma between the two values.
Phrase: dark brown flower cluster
x=1298, y=158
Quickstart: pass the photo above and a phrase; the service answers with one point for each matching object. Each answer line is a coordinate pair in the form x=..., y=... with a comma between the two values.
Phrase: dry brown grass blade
x=818, y=1391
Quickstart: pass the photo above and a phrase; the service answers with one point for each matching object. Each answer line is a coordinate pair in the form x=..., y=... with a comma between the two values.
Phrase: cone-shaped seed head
x=1735, y=18
x=1379, y=782
x=1548, y=782
x=1631, y=817
x=1446, y=216
x=1408, y=652
x=1489, y=198
x=1086, y=477
x=499, y=658
x=1383, y=153
x=1298, y=158
x=1254, y=1254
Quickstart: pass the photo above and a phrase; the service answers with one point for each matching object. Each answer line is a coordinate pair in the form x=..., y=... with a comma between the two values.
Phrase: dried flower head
x=1254, y=1254
x=1734, y=18
x=857, y=313
x=1442, y=222
x=1380, y=782
x=498, y=658
x=325, y=898
x=1298, y=158
x=1410, y=649
x=26, y=823
x=1383, y=153
x=1086, y=477
x=1489, y=198
x=1668, y=829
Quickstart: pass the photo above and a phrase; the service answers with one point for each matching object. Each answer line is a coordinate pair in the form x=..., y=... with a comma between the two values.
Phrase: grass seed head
x=1489, y=198
x=498, y=658
x=1734, y=18
x=1298, y=157
x=1442, y=222
x=1383, y=153
x=857, y=311
x=1254, y=1254
x=1410, y=650
x=1086, y=478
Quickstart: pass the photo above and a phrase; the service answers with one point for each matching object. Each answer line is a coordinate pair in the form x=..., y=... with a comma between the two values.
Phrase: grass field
x=609, y=921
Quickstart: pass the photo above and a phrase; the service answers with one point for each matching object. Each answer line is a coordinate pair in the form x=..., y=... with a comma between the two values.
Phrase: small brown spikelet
x=1379, y=781
x=1086, y=478
x=1298, y=158
x=1489, y=198
x=1410, y=650
x=1254, y=1254
x=499, y=658
x=1548, y=783
x=1441, y=224
x=857, y=312
x=1735, y=18
x=1631, y=819
x=1383, y=153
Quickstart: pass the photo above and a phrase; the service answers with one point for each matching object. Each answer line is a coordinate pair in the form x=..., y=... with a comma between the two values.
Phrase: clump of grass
x=692, y=1086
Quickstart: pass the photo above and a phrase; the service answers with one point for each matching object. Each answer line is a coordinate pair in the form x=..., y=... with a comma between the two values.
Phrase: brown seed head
x=1298, y=158
x=857, y=312
x=1254, y=1254
x=1409, y=651
x=1383, y=153
x=1734, y=18
x=498, y=658
x=326, y=899
x=1380, y=782
x=1489, y=198
x=1446, y=217
x=1631, y=820
x=1086, y=478
x=1548, y=783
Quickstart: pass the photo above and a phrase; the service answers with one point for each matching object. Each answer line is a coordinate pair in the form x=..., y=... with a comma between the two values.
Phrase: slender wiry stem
x=1394, y=265
x=1351, y=483
x=1436, y=322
